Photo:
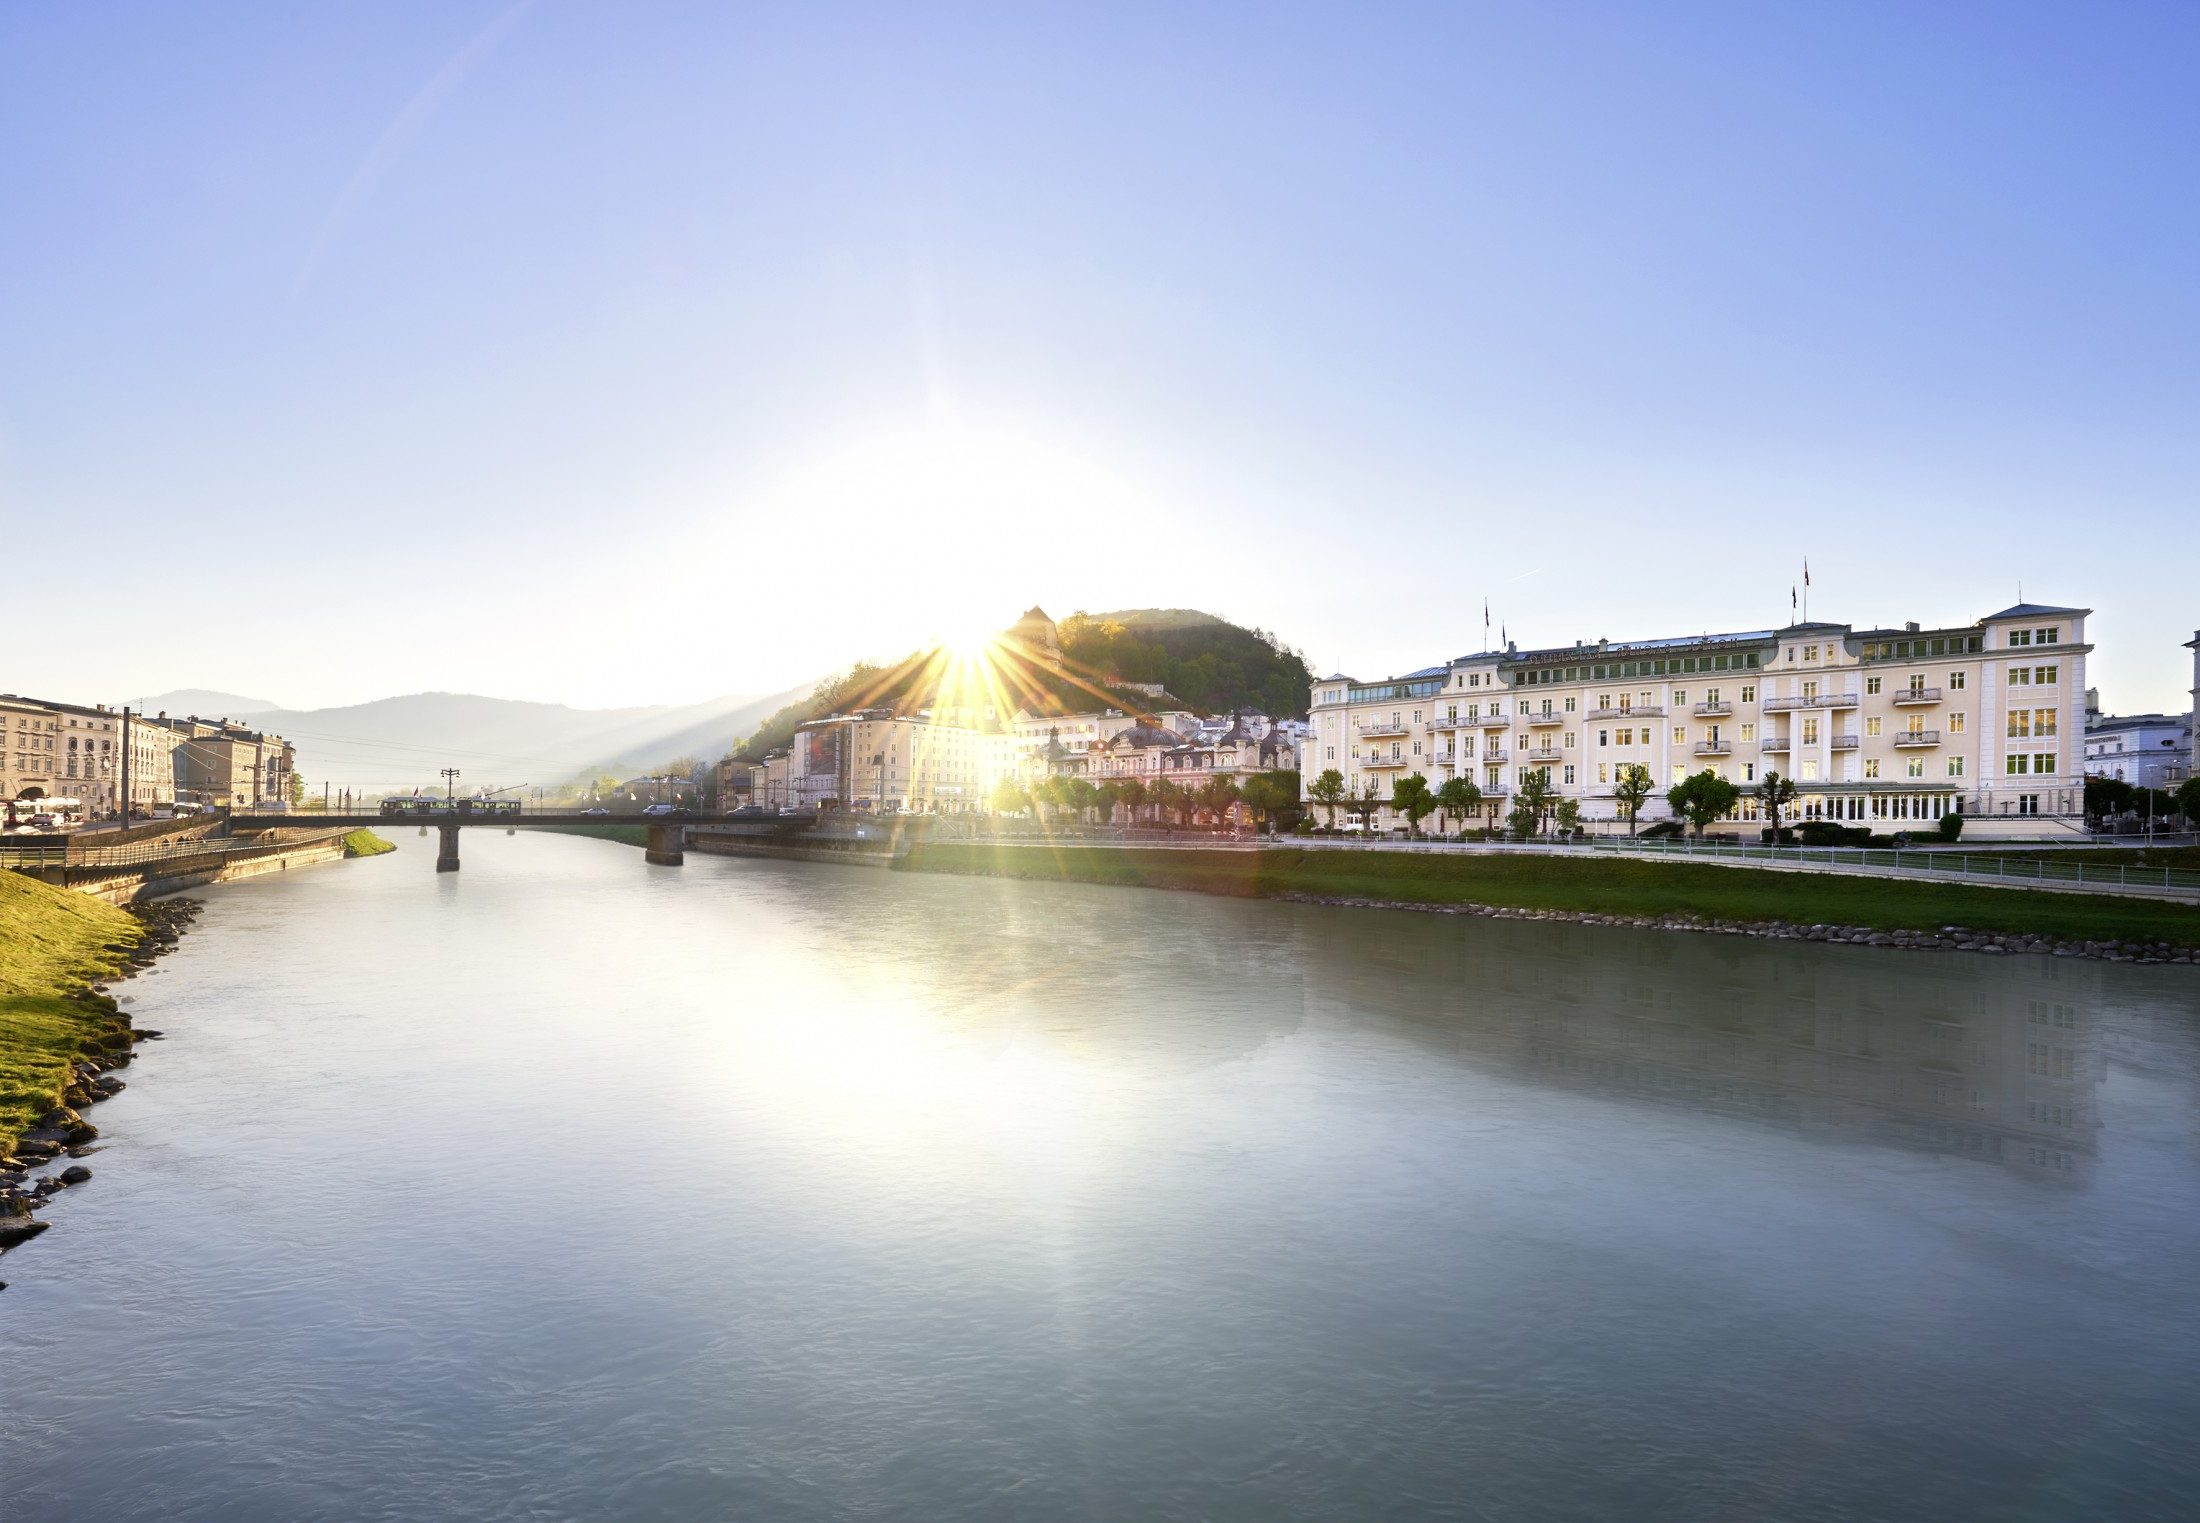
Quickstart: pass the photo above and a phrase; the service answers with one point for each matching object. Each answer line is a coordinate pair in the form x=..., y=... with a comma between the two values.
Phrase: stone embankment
x=1951, y=938
x=45, y=1160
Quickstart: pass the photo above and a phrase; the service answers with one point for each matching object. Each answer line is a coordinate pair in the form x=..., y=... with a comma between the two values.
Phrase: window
x=2043, y=761
x=1680, y=696
x=2044, y=675
x=1749, y=772
x=1627, y=737
x=1749, y=732
x=1957, y=681
x=1810, y=732
x=1569, y=776
x=1871, y=766
x=1523, y=705
x=1871, y=684
x=1808, y=772
x=2051, y=635
x=1955, y=766
x=1749, y=695
x=2012, y=766
x=2020, y=637
x=1680, y=735
x=1810, y=653
x=1569, y=740
x=1917, y=766
x=1570, y=709
x=1871, y=726
x=2028, y=803
x=1604, y=772
x=2020, y=676
x=1604, y=737
x=2043, y=721
x=1956, y=724
x=2020, y=724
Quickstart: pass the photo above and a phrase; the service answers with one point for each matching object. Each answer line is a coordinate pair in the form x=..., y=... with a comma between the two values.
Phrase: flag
x=1791, y=598
x=1806, y=572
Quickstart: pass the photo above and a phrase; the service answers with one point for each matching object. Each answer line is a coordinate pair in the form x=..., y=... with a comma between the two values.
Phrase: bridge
x=667, y=843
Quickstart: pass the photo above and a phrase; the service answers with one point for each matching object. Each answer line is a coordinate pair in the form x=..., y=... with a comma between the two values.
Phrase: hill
x=403, y=742
x=1203, y=663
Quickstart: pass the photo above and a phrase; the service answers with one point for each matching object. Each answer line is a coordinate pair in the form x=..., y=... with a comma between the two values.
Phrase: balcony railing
x=1447, y=756
x=1544, y=721
x=1647, y=711
x=1383, y=763
x=1492, y=722
x=1905, y=739
x=1811, y=701
x=1774, y=743
x=1380, y=727
x=1844, y=742
x=1917, y=695
x=1712, y=710
x=1542, y=754
x=1497, y=755
x=1714, y=748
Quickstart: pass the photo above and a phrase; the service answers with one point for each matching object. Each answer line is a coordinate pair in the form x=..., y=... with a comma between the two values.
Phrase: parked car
x=598, y=809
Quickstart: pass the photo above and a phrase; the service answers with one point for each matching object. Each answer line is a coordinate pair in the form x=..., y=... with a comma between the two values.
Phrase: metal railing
x=1937, y=861
x=1712, y=710
x=1811, y=701
x=1540, y=721
x=1916, y=738
x=1916, y=695
x=1844, y=742
x=1542, y=754
x=1643, y=711
x=1714, y=748
x=1775, y=743
x=1379, y=727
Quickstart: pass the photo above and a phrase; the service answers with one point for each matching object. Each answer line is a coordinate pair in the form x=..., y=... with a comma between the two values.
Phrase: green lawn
x=50, y=945
x=365, y=843
x=1604, y=885
x=2102, y=856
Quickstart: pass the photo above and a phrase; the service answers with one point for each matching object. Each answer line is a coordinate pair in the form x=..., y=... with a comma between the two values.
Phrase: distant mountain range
x=401, y=743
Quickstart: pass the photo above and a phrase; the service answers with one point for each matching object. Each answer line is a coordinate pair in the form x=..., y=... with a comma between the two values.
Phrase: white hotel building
x=1882, y=727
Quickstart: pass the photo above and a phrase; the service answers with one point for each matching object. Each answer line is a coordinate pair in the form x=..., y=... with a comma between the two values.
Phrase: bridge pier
x=446, y=856
x=667, y=845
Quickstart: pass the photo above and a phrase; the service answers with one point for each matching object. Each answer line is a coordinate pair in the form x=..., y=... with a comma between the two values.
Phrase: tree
x=1775, y=793
x=1107, y=796
x=1216, y=795
x=1410, y=796
x=1008, y=798
x=1632, y=791
x=2188, y=798
x=1366, y=802
x=297, y=793
x=1133, y=794
x=1521, y=821
x=2107, y=795
x=1537, y=794
x=1081, y=797
x=1568, y=816
x=1166, y=796
x=1270, y=794
x=1702, y=798
x=1458, y=797
x=1327, y=790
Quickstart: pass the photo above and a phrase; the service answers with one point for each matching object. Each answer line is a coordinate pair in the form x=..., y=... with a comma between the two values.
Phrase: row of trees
x=1536, y=806
x=1271, y=798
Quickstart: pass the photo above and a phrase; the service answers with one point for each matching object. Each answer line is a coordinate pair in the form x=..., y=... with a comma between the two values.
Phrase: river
x=571, y=1187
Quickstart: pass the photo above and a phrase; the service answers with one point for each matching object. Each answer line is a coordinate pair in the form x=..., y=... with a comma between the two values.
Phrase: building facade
x=30, y=748
x=890, y=764
x=2144, y=750
x=225, y=765
x=90, y=757
x=1880, y=727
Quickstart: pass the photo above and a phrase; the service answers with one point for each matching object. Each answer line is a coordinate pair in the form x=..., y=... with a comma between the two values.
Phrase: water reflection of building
x=1997, y=1060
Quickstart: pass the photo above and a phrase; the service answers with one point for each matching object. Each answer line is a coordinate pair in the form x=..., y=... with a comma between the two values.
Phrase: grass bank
x=365, y=843
x=52, y=944
x=1603, y=885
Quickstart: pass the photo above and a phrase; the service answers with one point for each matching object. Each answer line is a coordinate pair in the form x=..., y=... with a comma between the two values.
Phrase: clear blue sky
x=682, y=349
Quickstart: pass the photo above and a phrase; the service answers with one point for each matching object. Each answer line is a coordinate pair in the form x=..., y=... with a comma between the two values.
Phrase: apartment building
x=89, y=756
x=1886, y=727
x=30, y=749
x=221, y=764
x=894, y=764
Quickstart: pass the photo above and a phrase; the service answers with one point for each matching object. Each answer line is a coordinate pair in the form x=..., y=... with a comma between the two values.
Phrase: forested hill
x=1207, y=664
x=1214, y=666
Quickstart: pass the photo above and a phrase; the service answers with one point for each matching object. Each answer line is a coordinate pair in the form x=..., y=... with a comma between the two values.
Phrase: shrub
x=1662, y=830
x=1951, y=826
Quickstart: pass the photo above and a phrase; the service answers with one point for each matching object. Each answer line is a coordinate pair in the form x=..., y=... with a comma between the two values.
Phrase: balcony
x=1382, y=763
x=1496, y=756
x=1714, y=748
x=1712, y=710
x=1647, y=711
x=1448, y=722
x=1545, y=721
x=1811, y=701
x=1542, y=754
x=1775, y=743
x=1917, y=695
x=1492, y=721
x=1906, y=740
x=1844, y=742
x=1373, y=727
x=1444, y=757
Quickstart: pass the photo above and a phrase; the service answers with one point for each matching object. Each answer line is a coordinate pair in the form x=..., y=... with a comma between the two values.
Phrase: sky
x=636, y=353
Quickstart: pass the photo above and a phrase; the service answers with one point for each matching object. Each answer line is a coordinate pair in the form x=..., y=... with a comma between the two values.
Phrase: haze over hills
x=403, y=742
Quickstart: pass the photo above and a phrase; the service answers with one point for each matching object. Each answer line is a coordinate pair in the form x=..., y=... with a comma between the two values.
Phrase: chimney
x=1911, y=626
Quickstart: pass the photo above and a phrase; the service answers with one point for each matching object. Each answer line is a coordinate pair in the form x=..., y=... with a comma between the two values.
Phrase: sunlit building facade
x=1882, y=727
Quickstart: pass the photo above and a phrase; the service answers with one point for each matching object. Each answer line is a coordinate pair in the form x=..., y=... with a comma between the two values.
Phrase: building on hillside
x=30, y=749
x=1036, y=637
x=2144, y=750
x=1880, y=727
x=880, y=762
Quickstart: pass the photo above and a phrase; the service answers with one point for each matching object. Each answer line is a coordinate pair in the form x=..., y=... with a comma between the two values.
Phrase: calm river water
x=570, y=1187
